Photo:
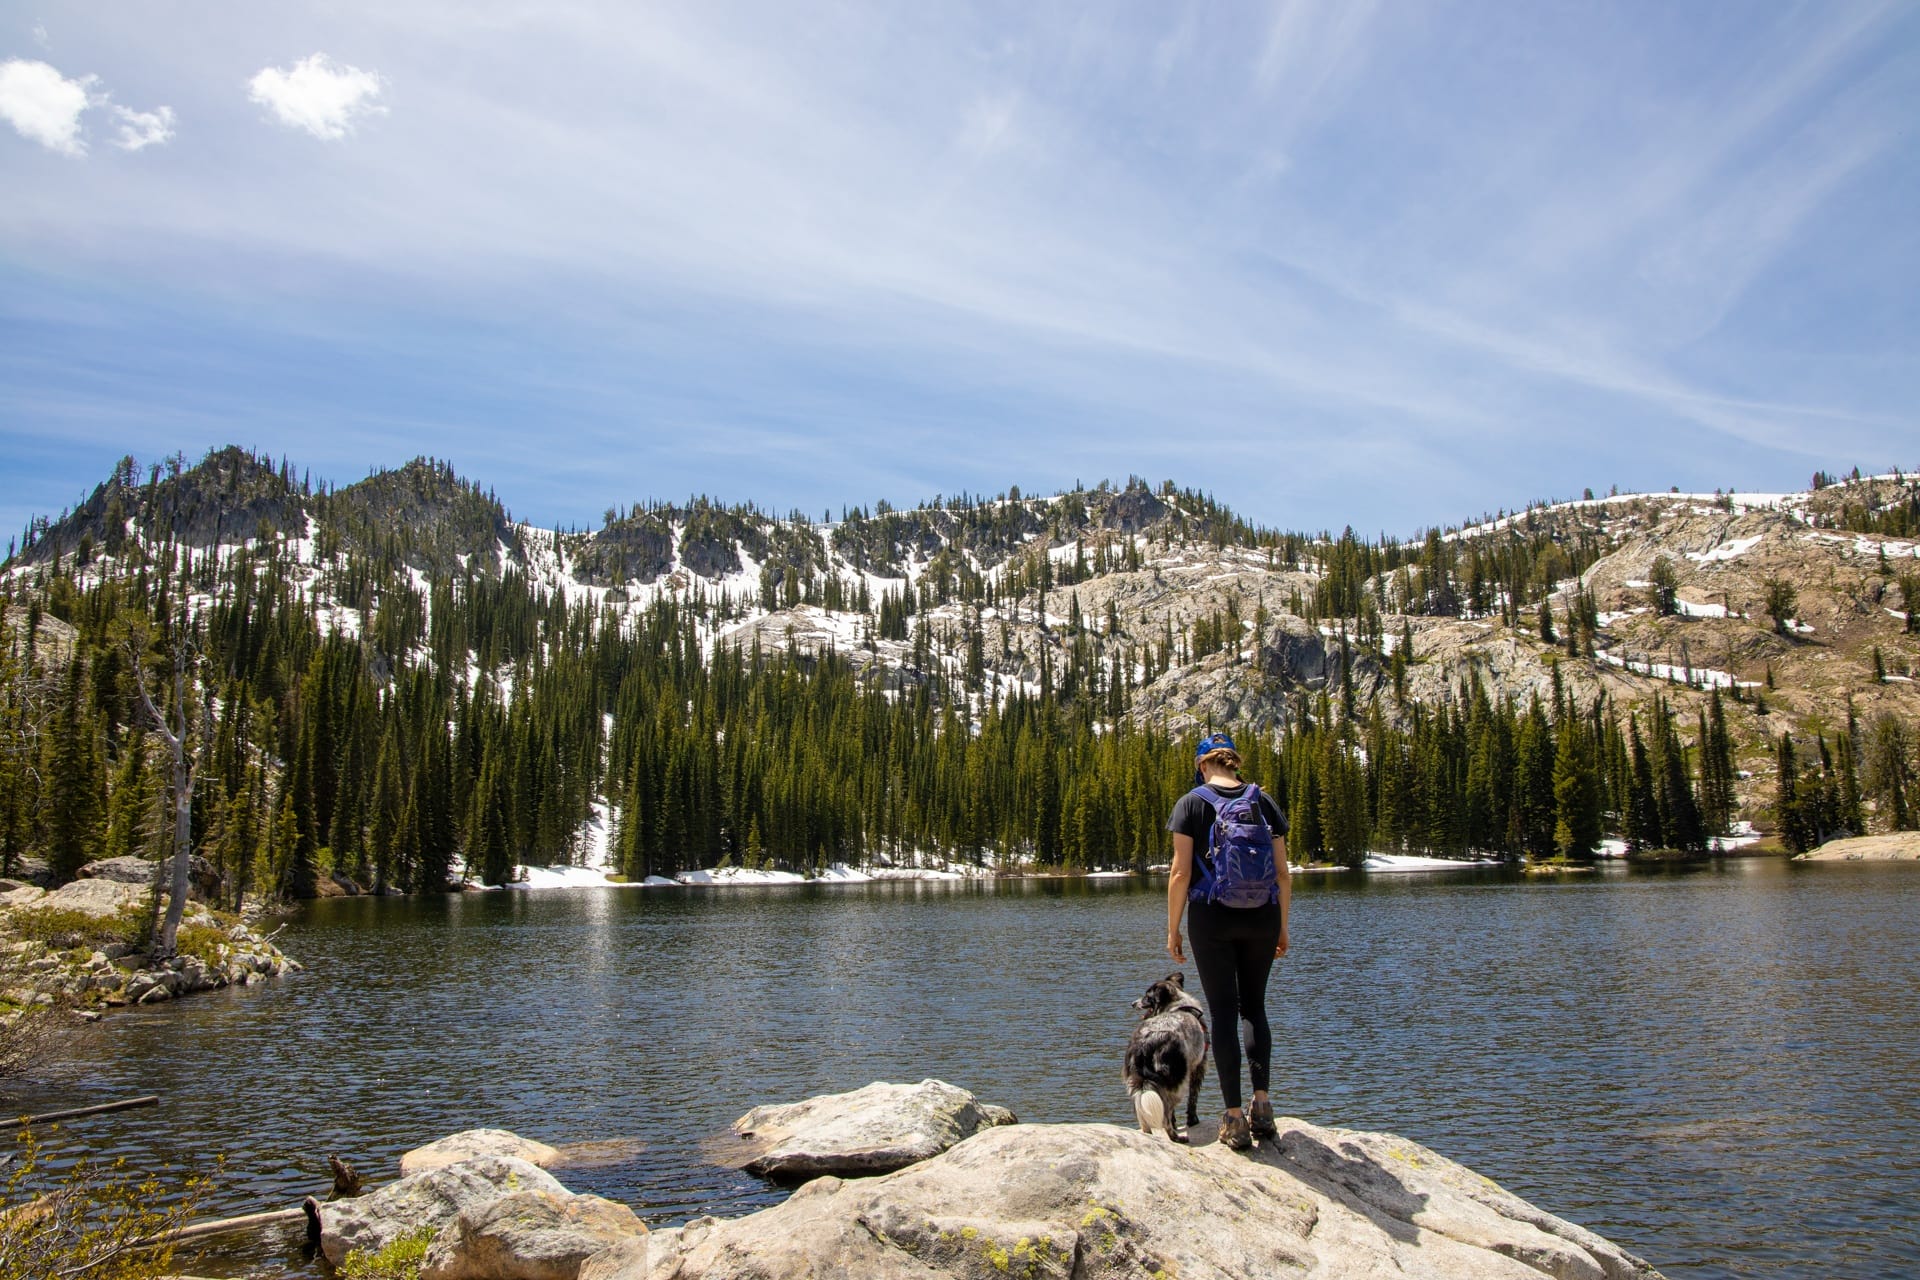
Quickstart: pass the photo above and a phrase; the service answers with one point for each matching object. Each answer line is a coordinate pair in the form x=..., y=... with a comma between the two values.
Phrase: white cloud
x=324, y=97
x=45, y=106
x=140, y=129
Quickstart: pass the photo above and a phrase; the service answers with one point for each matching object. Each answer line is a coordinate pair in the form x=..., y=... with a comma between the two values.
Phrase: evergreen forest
x=472, y=718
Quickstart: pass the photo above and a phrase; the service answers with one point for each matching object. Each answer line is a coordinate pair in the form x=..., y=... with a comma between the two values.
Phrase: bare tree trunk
x=175, y=736
x=183, y=780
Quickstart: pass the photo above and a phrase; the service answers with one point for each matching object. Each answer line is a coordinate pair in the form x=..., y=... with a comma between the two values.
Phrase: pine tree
x=1576, y=794
x=1642, y=818
x=1890, y=774
x=74, y=794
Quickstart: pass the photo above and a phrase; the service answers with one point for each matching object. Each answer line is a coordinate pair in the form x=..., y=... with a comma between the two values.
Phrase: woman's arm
x=1286, y=891
x=1177, y=885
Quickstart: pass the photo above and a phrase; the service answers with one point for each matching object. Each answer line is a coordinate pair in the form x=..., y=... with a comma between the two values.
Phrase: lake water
x=1715, y=1068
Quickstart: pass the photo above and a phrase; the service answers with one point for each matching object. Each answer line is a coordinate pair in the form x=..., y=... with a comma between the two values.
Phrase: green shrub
x=398, y=1261
x=66, y=929
x=87, y=1223
x=200, y=941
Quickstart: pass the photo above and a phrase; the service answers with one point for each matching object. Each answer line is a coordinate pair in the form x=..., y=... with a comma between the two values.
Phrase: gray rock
x=469, y=1143
x=95, y=897
x=425, y=1200
x=631, y=1259
x=127, y=870
x=1102, y=1201
x=529, y=1235
x=34, y=871
x=877, y=1129
x=202, y=878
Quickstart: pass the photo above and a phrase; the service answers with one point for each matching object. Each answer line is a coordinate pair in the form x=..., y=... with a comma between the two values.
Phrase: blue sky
x=1391, y=265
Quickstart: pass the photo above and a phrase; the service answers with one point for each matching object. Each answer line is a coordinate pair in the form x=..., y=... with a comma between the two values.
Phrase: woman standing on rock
x=1230, y=878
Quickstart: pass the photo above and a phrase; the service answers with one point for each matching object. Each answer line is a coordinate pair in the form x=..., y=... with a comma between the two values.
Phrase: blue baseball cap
x=1212, y=742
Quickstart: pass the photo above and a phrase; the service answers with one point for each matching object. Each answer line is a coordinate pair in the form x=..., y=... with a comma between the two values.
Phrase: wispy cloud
x=46, y=107
x=139, y=130
x=1429, y=254
x=318, y=95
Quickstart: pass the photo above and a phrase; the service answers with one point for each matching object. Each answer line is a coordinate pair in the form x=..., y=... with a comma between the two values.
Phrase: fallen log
x=19, y=1122
x=307, y=1212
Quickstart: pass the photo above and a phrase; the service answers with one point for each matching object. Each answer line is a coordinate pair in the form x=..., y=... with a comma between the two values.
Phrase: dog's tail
x=1151, y=1110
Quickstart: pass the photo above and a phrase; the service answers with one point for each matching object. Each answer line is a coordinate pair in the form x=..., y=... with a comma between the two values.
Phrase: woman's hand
x=1173, y=947
x=1281, y=949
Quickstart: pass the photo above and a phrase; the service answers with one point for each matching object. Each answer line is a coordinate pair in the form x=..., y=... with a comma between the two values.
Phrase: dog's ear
x=1178, y=979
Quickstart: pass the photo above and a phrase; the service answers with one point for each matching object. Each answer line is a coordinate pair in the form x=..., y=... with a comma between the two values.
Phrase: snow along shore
x=537, y=878
x=528, y=879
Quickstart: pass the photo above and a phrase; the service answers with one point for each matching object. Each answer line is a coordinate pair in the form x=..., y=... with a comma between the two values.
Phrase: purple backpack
x=1237, y=867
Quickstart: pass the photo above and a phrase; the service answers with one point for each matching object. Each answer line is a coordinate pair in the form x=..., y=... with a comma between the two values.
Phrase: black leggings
x=1233, y=949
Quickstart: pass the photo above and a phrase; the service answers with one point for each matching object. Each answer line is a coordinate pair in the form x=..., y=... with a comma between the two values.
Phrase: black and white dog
x=1167, y=1056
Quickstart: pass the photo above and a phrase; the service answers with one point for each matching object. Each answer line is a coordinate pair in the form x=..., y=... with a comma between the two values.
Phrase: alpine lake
x=1715, y=1067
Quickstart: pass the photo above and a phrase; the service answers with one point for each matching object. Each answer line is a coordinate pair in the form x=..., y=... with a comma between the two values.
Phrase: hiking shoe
x=1233, y=1132
x=1260, y=1120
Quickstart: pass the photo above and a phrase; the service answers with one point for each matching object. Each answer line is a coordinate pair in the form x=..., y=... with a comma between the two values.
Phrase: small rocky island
x=974, y=1195
x=78, y=946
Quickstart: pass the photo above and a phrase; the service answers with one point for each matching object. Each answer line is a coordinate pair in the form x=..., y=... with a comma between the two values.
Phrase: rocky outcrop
x=201, y=875
x=1068, y=1202
x=1097, y=1201
x=529, y=1235
x=1898, y=846
x=93, y=897
x=877, y=1129
x=472, y=1143
x=76, y=953
x=430, y=1200
x=490, y=1216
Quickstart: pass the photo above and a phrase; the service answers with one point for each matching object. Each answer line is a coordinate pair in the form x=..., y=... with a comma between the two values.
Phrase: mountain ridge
x=1153, y=606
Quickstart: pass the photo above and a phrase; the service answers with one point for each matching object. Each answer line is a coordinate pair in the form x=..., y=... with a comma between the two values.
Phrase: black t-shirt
x=1194, y=815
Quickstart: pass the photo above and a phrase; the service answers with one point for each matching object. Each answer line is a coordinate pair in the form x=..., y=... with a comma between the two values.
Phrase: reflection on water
x=1713, y=1068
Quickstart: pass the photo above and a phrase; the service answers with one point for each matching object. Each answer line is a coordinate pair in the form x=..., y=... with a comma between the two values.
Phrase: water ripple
x=1714, y=1069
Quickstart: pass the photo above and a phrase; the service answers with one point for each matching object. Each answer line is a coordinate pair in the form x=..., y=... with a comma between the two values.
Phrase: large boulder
x=529, y=1235
x=1098, y=1201
x=424, y=1201
x=125, y=870
x=94, y=897
x=874, y=1130
x=203, y=879
x=469, y=1143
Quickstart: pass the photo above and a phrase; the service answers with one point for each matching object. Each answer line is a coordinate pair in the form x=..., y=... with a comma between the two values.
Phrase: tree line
x=465, y=719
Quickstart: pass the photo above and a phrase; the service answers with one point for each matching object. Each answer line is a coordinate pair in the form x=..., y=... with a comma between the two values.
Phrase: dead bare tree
x=173, y=731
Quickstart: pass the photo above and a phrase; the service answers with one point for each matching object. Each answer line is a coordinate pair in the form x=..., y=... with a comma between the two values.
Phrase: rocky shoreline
x=1899, y=846
x=979, y=1197
x=76, y=946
